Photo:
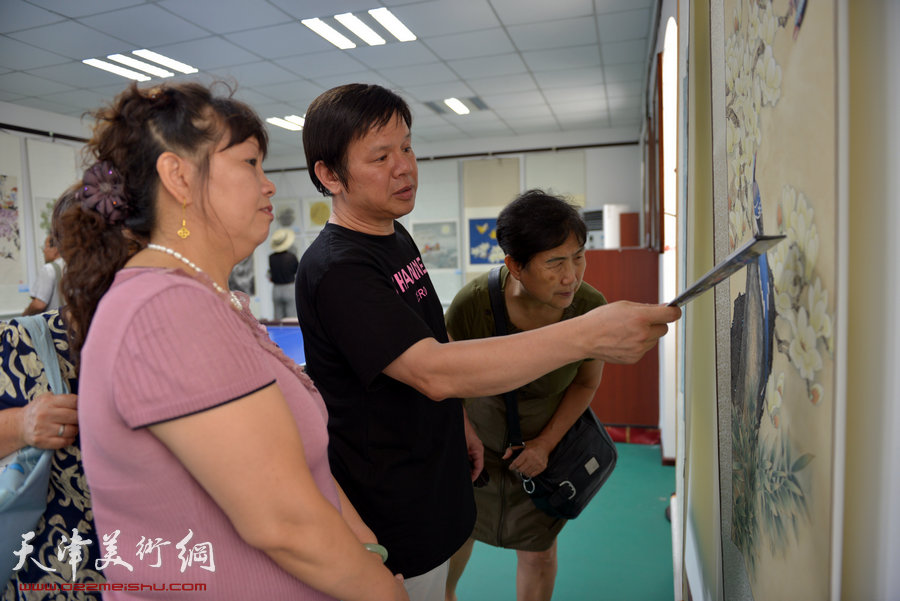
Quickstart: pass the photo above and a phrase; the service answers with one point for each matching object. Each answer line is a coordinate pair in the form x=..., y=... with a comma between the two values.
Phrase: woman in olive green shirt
x=543, y=237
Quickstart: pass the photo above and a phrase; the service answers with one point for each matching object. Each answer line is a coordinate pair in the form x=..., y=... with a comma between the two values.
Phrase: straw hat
x=282, y=240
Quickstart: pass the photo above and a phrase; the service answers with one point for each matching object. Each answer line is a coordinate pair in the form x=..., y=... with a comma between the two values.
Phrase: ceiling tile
x=623, y=72
x=591, y=94
x=618, y=103
x=256, y=74
x=536, y=126
x=524, y=59
x=278, y=109
x=78, y=75
x=22, y=15
x=624, y=52
x=397, y=54
x=608, y=6
x=51, y=105
x=29, y=85
x=208, y=53
x=502, y=64
x=521, y=82
x=539, y=36
x=307, y=9
x=534, y=111
x=585, y=106
x=82, y=8
x=286, y=39
x=628, y=89
x=437, y=92
x=420, y=74
x=19, y=56
x=335, y=62
x=627, y=25
x=501, y=101
x=442, y=17
x=228, y=15
x=471, y=44
x=252, y=96
x=83, y=100
x=437, y=134
x=562, y=58
x=488, y=125
x=157, y=26
x=515, y=12
x=371, y=77
x=296, y=93
x=567, y=78
x=72, y=39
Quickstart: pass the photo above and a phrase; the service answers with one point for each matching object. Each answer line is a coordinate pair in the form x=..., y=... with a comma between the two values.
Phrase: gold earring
x=183, y=232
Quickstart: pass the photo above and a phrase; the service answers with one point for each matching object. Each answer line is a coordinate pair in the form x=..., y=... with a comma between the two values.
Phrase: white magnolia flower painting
x=779, y=139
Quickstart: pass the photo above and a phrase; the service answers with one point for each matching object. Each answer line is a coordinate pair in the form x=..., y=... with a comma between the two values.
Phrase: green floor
x=618, y=549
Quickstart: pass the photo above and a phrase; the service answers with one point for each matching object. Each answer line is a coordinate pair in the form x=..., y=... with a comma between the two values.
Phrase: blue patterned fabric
x=68, y=500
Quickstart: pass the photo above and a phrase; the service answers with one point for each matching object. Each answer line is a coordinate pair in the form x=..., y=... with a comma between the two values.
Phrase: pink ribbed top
x=162, y=346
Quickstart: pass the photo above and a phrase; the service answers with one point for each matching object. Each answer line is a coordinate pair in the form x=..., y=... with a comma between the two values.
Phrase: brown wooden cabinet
x=628, y=394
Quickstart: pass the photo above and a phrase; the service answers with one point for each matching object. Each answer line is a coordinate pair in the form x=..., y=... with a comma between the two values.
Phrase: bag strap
x=36, y=326
x=498, y=308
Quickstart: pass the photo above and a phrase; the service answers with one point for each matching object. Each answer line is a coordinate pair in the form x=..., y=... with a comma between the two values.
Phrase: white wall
x=23, y=116
x=613, y=176
x=871, y=552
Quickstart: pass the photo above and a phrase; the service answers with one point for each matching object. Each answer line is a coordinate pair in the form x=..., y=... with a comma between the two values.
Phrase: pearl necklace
x=235, y=301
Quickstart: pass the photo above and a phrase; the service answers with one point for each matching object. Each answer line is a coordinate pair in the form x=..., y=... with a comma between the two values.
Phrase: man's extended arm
x=619, y=332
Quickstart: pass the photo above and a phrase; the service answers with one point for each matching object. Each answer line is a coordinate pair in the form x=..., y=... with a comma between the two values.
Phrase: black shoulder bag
x=581, y=462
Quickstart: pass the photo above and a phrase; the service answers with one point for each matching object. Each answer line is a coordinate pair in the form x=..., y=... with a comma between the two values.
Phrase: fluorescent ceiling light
x=282, y=123
x=136, y=64
x=301, y=121
x=352, y=22
x=115, y=69
x=164, y=61
x=328, y=33
x=392, y=24
x=456, y=106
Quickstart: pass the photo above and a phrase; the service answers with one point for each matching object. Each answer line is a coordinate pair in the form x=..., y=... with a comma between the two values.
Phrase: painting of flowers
x=10, y=233
x=780, y=148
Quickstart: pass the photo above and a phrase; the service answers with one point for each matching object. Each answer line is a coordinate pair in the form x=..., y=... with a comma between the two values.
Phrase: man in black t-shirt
x=378, y=351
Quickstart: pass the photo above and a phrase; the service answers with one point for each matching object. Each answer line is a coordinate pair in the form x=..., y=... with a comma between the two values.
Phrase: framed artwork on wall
x=41, y=211
x=316, y=212
x=482, y=250
x=287, y=213
x=775, y=99
x=12, y=257
x=438, y=244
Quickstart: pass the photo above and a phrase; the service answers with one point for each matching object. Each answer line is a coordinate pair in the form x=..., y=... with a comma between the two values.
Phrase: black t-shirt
x=401, y=458
x=283, y=267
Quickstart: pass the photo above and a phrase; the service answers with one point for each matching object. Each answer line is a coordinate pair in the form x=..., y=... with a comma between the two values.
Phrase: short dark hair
x=537, y=221
x=344, y=114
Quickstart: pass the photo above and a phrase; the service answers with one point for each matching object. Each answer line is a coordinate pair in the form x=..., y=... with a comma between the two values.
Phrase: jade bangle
x=378, y=549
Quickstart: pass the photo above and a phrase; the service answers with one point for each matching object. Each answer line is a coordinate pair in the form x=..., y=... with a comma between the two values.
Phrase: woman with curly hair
x=204, y=445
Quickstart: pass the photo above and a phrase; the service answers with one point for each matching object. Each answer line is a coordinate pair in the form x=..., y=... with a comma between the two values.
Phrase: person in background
x=377, y=348
x=204, y=445
x=282, y=270
x=543, y=237
x=45, y=292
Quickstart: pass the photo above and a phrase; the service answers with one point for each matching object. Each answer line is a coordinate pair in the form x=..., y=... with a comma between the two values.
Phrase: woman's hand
x=533, y=458
x=50, y=421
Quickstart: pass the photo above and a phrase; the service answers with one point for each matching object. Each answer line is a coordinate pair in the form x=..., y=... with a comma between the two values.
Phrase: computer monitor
x=290, y=339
